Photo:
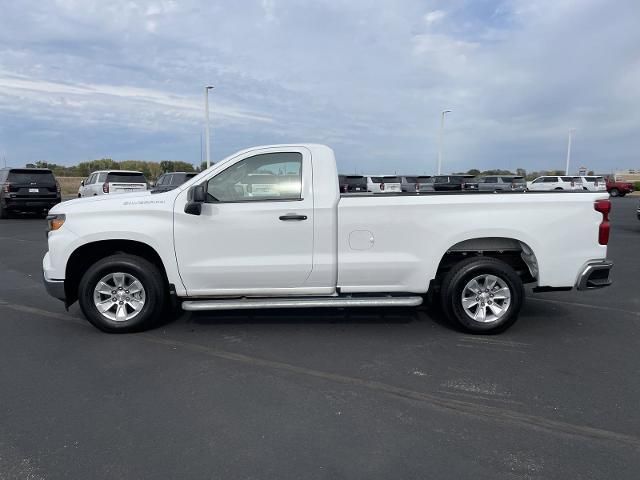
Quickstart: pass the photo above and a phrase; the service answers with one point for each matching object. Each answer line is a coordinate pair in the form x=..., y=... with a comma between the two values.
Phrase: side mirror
x=195, y=198
x=82, y=183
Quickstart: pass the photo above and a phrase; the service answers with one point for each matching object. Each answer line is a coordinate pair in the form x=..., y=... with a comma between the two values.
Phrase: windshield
x=31, y=176
x=126, y=177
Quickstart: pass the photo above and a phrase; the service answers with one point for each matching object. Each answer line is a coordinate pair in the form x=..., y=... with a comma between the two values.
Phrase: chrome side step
x=301, y=302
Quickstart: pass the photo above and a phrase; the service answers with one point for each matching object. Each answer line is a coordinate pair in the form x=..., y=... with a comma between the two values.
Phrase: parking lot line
x=586, y=305
x=441, y=403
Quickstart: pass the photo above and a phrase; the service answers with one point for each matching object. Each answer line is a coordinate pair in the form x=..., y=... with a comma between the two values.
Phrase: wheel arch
x=87, y=254
x=515, y=252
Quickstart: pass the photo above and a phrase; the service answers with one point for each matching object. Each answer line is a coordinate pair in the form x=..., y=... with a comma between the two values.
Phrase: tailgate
x=117, y=187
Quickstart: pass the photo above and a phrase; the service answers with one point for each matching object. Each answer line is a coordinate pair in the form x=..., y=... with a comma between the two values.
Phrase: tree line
x=151, y=170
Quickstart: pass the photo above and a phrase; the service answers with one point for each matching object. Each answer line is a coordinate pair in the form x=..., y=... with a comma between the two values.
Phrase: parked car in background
x=448, y=183
x=618, y=188
x=555, y=182
x=383, y=183
x=27, y=190
x=169, y=181
x=507, y=183
x=593, y=183
x=418, y=183
x=106, y=182
x=352, y=183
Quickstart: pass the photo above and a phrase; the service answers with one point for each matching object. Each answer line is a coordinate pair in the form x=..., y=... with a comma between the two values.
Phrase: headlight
x=55, y=221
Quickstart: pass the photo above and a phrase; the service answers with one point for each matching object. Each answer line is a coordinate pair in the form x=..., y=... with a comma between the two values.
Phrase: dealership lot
x=321, y=394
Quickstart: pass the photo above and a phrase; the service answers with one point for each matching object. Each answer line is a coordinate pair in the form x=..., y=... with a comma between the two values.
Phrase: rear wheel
x=614, y=192
x=122, y=293
x=482, y=295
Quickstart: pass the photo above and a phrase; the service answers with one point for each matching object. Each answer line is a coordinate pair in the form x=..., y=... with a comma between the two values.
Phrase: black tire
x=4, y=213
x=151, y=278
x=622, y=195
x=461, y=274
x=614, y=192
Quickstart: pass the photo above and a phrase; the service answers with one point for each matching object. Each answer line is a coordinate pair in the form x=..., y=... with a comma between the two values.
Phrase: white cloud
x=434, y=16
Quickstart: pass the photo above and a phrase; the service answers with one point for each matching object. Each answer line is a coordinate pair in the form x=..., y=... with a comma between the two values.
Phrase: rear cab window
x=27, y=176
x=126, y=177
x=385, y=179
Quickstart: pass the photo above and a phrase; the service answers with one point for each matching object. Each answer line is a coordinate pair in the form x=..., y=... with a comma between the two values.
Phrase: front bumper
x=595, y=275
x=55, y=288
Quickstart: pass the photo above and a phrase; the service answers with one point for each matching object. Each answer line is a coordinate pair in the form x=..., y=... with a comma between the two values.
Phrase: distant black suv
x=448, y=183
x=27, y=190
x=352, y=183
x=169, y=181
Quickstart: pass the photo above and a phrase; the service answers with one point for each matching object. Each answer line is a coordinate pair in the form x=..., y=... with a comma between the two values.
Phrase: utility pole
x=206, y=124
x=440, y=140
x=571, y=132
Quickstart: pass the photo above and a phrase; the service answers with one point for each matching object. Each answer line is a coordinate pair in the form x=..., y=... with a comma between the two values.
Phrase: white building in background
x=629, y=175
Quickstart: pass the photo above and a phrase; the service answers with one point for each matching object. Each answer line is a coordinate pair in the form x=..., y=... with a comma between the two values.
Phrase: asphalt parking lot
x=321, y=394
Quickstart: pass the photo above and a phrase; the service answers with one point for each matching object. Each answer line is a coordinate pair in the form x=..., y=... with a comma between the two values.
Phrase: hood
x=100, y=202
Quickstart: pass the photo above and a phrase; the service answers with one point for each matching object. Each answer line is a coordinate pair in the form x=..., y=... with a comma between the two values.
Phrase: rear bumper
x=30, y=203
x=595, y=275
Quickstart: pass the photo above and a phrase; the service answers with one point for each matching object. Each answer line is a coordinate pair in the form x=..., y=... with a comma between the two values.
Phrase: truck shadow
x=305, y=316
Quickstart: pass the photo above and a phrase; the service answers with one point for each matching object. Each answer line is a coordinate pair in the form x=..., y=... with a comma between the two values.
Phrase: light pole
x=444, y=112
x=206, y=124
x=571, y=132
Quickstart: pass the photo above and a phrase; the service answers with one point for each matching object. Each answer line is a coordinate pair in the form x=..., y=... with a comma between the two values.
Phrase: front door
x=254, y=235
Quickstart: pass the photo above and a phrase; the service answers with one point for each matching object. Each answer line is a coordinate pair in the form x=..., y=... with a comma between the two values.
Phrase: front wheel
x=482, y=295
x=122, y=293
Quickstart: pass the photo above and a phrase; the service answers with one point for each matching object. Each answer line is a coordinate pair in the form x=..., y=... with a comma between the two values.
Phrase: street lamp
x=206, y=124
x=444, y=112
x=571, y=132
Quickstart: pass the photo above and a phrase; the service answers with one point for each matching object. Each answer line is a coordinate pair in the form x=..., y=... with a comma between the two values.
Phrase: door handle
x=292, y=216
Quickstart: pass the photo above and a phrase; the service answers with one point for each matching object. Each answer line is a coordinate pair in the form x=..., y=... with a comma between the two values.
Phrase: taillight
x=6, y=187
x=105, y=187
x=58, y=187
x=382, y=186
x=604, y=207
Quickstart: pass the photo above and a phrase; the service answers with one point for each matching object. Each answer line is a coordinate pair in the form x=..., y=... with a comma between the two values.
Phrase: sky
x=124, y=79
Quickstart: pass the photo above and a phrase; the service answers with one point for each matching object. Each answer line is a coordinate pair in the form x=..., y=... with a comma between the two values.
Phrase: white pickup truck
x=222, y=240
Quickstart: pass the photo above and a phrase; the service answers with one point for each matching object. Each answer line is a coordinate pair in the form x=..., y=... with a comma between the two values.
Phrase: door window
x=550, y=179
x=268, y=176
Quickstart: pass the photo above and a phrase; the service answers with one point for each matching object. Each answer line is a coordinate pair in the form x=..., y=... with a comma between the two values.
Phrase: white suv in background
x=106, y=182
x=593, y=184
x=553, y=182
x=383, y=183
